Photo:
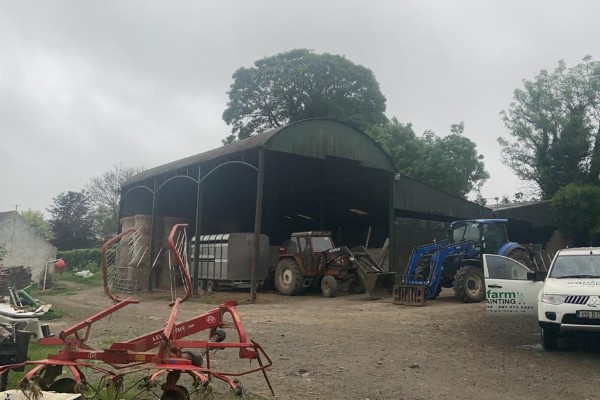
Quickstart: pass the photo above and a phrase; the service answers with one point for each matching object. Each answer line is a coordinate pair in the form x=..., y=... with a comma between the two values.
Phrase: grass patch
x=52, y=314
x=69, y=276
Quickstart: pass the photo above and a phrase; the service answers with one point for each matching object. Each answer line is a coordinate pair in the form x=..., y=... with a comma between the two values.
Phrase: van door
x=508, y=292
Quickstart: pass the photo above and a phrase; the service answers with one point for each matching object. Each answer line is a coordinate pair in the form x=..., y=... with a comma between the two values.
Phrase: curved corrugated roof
x=317, y=137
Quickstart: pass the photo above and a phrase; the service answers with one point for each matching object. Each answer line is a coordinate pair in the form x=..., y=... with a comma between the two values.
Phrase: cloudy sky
x=87, y=85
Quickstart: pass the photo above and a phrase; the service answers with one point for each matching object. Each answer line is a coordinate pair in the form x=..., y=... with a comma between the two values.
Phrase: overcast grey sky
x=87, y=85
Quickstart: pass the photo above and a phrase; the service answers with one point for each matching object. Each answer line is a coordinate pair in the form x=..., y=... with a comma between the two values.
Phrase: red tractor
x=310, y=258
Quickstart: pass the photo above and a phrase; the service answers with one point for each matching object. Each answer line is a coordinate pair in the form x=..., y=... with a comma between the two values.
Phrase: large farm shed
x=315, y=174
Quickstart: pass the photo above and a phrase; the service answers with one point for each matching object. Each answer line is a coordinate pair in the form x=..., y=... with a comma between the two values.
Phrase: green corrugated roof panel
x=319, y=138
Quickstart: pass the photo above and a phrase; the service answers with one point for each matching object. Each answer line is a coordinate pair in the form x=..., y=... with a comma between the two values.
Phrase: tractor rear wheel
x=329, y=286
x=520, y=255
x=469, y=284
x=288, y=277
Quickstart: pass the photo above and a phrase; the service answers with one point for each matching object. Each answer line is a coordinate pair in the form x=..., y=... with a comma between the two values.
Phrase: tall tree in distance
x=71, y=221
x=104, y=193
x=554, y=121
x=450, y=163
x=300, y=84
x=36, y=219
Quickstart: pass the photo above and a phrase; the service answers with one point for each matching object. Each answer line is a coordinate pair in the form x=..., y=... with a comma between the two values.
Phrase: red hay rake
x=166, y=352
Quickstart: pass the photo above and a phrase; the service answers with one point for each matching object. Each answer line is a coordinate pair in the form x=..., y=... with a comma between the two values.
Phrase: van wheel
x=549, y=338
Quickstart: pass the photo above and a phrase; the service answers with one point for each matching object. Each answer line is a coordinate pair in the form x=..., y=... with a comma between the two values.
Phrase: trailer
x=225, y=260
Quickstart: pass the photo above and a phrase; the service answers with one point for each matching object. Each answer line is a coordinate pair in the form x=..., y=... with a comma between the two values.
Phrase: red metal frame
x=105, y=248
x=159, y=350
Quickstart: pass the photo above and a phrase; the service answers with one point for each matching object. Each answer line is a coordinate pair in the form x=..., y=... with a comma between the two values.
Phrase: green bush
x=81, y=259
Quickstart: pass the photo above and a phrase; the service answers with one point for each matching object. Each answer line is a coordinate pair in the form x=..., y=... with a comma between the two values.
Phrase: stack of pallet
x=18, y=277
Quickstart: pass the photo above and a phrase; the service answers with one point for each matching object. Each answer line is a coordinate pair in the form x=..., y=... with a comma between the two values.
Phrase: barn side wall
x=25, y=245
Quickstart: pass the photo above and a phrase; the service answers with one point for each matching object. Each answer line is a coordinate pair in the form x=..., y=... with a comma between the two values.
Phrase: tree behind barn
x=450, y=163
x=71, y=221
x=36, y=219
x=576, y=209
x=300, y=84
x=554, y=123
x=104, y=193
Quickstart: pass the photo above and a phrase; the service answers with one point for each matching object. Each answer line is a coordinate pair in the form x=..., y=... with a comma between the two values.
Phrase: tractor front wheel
x=357, y=285
x=469, y=284
x=329, y=286
x=288, y=277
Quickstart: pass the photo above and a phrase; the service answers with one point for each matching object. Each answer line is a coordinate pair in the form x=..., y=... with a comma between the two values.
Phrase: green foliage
x=300, y=84
x=71, y=221
x=449, y=163
x=77, y=260
x=52, y=314
x=37, y=220
x=576, y=209
x=554, y=121
x=104, y=193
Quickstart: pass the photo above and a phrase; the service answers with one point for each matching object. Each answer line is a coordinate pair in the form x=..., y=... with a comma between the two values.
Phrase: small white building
x=24, y=244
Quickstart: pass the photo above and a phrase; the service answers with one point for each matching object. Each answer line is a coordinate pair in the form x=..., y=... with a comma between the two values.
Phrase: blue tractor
x=457, y=262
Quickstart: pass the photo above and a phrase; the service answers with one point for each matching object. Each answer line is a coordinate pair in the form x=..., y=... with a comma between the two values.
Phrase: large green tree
x=37, y=220
x=576, y=209
x=450, y=163
x=71, y=221
x=554, y=127
x=104, y=193
x=301, y=84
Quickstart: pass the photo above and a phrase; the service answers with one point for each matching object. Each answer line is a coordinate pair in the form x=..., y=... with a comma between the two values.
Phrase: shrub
x=81, y=259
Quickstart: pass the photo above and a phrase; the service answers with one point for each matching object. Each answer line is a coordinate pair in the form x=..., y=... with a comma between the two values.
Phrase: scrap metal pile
x=152, y=364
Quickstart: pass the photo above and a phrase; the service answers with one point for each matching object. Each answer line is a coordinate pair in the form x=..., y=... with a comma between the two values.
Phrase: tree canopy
x=554, y=123
x=36, y=219
x=576, y=209
x=71, y=221
x=450, y=163
x=301, y=84
x=104, y=193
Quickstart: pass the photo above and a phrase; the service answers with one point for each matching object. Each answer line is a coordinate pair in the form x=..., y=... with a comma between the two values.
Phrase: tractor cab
x=309, y=249
x=487, y=235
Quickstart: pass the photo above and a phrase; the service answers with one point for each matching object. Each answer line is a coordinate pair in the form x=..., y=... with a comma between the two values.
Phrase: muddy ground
x=352, y=348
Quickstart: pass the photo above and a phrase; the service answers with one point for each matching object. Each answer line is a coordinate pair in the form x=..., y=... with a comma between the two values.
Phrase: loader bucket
x=380, y=284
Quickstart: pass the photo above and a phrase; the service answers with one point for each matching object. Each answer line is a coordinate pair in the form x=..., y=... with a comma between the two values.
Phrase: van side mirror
x=536, y=276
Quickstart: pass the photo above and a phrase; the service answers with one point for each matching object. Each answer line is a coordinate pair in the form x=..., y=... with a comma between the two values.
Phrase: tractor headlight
x=554, y=299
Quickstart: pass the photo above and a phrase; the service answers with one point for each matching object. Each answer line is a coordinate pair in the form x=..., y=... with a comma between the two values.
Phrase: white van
x=567, y=300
